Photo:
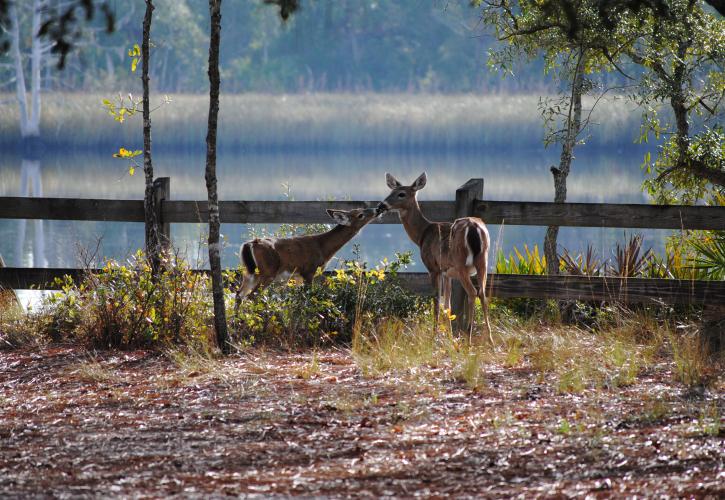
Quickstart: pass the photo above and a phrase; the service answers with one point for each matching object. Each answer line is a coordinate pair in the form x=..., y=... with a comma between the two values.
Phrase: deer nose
x=382, y=207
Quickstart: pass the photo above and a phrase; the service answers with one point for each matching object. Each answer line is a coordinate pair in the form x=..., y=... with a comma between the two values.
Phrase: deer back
x=302, y=254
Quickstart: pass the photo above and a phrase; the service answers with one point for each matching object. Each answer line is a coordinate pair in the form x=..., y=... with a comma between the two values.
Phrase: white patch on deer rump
x=469, y=252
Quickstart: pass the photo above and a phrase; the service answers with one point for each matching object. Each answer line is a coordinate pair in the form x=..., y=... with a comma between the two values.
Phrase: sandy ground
x=134, y=424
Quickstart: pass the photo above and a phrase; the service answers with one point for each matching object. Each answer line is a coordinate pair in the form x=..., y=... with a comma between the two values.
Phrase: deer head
x=401, y=197
x=355, y=218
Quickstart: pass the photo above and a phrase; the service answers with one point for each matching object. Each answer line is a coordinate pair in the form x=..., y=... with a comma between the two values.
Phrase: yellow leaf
x=131, y=171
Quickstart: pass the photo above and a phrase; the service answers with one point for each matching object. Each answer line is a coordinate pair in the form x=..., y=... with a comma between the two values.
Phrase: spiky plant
x=586, y=264
x=629, y=259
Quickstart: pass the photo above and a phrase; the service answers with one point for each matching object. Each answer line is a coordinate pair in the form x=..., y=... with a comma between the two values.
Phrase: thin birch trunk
x=220, y=320
x=20, y=88
x=35, y=66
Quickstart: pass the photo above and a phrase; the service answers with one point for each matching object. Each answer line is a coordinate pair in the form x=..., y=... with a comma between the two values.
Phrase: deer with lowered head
x=449, y=250
x=266, y=259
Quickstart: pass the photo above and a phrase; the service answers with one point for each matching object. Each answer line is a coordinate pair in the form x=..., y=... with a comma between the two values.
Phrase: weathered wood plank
x=626, y=290
x=261, y=212
x=273, y=212
x=600, y=215
x=22, y=278
x=71, y=209
x=611, y=289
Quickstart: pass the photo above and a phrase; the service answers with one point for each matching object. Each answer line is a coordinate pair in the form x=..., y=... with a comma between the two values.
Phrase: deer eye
x=401, y=195
x=360, y=216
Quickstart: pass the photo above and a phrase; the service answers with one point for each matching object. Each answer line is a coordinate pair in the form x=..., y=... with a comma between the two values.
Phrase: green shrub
x=125, y=306
x=528, y=262
x=328, y=309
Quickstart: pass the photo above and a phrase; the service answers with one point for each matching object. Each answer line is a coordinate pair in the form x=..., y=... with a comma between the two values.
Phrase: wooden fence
x=469, y=201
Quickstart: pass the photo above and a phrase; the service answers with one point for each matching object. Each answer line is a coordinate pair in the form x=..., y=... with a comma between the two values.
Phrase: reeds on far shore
x=316, y=121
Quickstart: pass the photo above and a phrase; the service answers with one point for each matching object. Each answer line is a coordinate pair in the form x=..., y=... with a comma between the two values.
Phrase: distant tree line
x=342, y=45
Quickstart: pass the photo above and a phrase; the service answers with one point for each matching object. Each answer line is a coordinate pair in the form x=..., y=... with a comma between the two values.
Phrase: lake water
x=598, y=175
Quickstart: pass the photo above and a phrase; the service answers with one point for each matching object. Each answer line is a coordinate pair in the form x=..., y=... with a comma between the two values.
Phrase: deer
x=266, y=259
x=448, y=250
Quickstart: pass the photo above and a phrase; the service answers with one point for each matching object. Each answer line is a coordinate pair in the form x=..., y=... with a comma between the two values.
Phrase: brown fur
x=444, y=248
x=302, y=255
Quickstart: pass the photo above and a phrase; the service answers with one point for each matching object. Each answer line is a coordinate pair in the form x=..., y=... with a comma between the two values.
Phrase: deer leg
x=261, y=284
x=471, y=293
x=447, y=287
x=435, y=281
x=448, y=284
x=250, y=282
x=482, y=271
x=238, y=284
x=309, y=278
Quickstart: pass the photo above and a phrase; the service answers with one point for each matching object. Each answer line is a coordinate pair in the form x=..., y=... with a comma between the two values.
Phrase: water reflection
x=31, y=184
x=597, y=176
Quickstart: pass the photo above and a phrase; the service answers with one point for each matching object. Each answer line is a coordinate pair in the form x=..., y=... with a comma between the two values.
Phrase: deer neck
x=334, y=239
x=414, y=222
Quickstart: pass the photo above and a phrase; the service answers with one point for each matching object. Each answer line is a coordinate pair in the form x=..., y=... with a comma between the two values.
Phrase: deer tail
x=248, y=258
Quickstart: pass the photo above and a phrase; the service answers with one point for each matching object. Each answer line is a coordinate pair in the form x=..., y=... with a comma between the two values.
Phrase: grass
x=92, y=371
x=692, y=360
x=389, y=331
x=17, y=329
x=570, y=358
x=314, y=121
x=309, y=370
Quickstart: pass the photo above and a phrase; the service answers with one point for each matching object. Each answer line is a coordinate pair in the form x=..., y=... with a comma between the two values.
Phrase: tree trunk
x=679, y=104
x=220, y=320
x=153, y=246
x=20, y=88
x=573, y=126
x=35, y=66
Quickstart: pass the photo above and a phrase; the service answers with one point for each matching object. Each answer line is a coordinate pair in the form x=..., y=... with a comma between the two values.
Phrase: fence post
x=465, y=196
x=162, y=192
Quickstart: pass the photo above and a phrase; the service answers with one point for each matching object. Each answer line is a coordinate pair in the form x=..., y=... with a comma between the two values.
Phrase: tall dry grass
x=569, y=358
x=312, y=121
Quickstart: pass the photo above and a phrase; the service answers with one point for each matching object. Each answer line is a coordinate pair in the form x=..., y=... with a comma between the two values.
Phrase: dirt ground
x=135, y=424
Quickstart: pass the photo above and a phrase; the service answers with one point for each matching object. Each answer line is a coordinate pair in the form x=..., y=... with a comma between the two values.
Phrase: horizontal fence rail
x=610, y=289
x=600, y=215
x=263, y=212
x=468, y=201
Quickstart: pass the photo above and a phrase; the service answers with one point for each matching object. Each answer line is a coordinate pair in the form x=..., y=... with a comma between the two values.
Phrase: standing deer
x=265, y=259
x=448, y=250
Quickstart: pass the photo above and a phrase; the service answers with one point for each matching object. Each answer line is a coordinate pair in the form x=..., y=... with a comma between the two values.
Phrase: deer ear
x=419, y=183
x=392, y=181
x=339, y=216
